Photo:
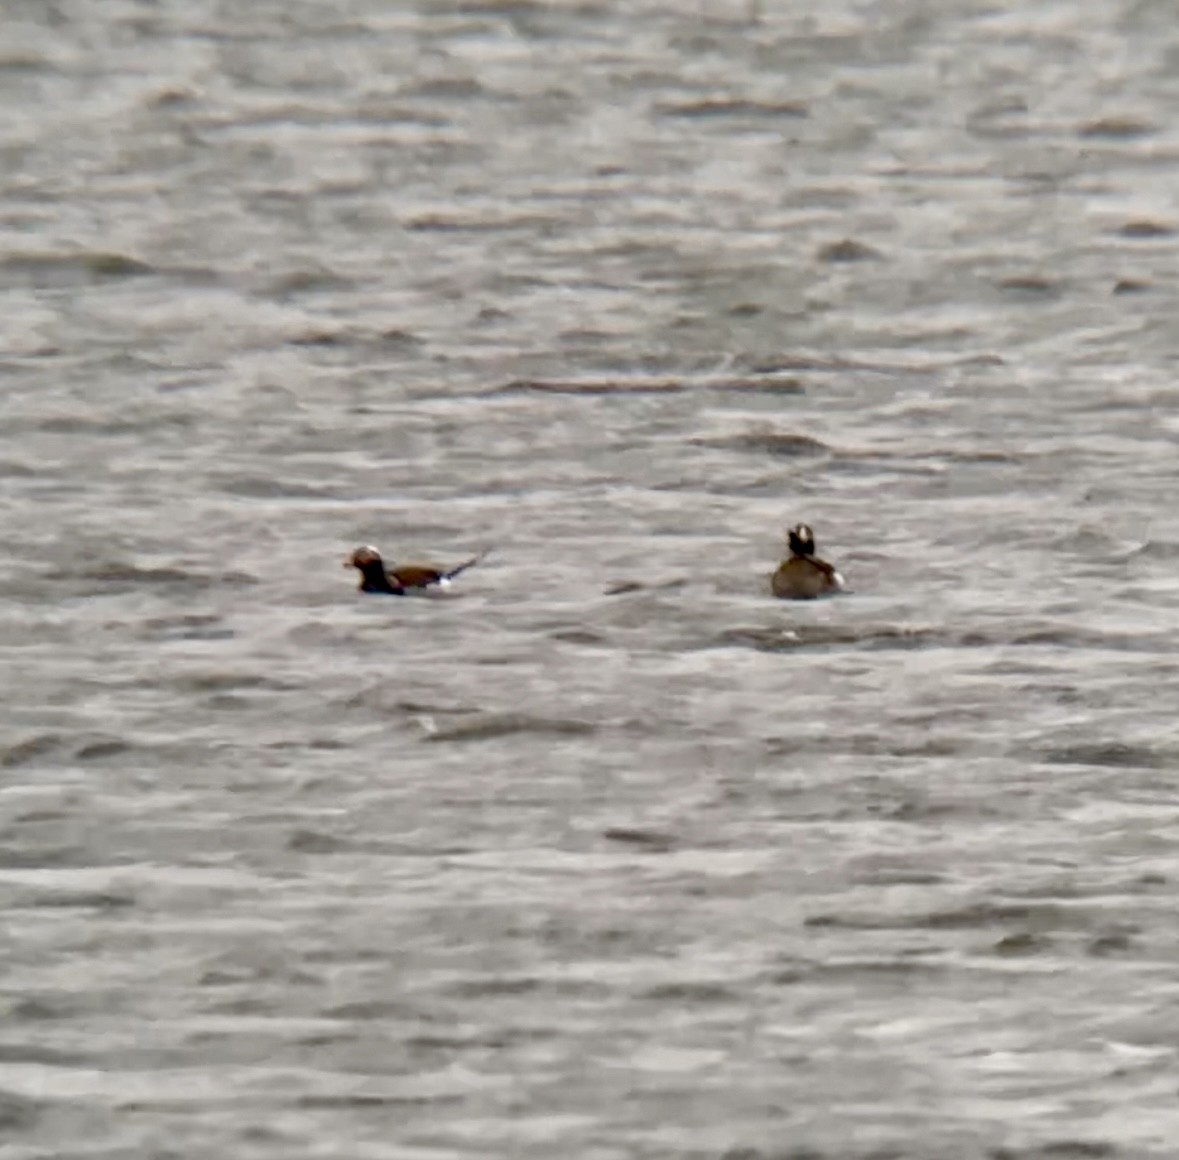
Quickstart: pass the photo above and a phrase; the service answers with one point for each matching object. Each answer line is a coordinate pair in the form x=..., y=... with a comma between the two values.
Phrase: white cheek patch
x=837, y=578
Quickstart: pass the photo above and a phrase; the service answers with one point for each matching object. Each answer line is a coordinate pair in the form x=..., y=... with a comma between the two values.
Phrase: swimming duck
x=399, y=580
x=802, y=575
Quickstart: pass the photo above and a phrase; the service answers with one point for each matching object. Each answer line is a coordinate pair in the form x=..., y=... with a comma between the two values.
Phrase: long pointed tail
x=453, y=572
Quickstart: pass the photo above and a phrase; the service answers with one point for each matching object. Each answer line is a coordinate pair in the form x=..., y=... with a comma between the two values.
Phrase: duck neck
x=373, y=578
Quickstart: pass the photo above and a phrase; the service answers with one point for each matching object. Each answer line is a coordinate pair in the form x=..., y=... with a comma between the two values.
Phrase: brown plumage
x=400, y=579
x=802, y=575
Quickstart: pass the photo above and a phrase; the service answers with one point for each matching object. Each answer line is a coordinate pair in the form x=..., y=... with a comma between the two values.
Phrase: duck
x=802, y=575
x=401, y=579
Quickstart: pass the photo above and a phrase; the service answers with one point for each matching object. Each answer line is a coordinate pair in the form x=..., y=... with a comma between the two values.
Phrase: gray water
x=603, y=853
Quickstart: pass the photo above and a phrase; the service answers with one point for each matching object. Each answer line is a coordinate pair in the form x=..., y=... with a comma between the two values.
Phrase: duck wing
x=834, y=576
x=426, y=575
x=415, y=575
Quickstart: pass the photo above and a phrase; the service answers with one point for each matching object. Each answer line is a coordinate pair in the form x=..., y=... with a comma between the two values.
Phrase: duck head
x=802, y=540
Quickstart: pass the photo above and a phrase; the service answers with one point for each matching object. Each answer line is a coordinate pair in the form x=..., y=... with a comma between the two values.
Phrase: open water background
x=621, y=289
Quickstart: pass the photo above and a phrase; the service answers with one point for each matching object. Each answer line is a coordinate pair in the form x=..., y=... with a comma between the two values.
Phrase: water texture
x=602, y=853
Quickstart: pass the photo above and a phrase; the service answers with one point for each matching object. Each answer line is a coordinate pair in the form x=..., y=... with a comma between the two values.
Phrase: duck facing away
x=402, y=578
x=802, y=575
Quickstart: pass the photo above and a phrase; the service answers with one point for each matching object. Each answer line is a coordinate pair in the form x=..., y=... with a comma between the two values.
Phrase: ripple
x=135, y=422
x=654, y=841
x=724, y=107
x=848, y=250
x=219, y=682
x=74, y=900
x=265, y=487
x=18, y=1113
x=53, y=270
x=117, y=577
x=788, y=638
x=691, y=993
x=1115, y=754
x=30, y=749
x=488, y=726
x=528, y=986
x=1031, y=286
x=187, y=626
x=1156, y=550
x=78, y=747
x=807, y=636
x=316, y=842
x=351, y=1101
x=1144, y=229
x=971, y=916
x=782, y=444
x=1117, y=128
